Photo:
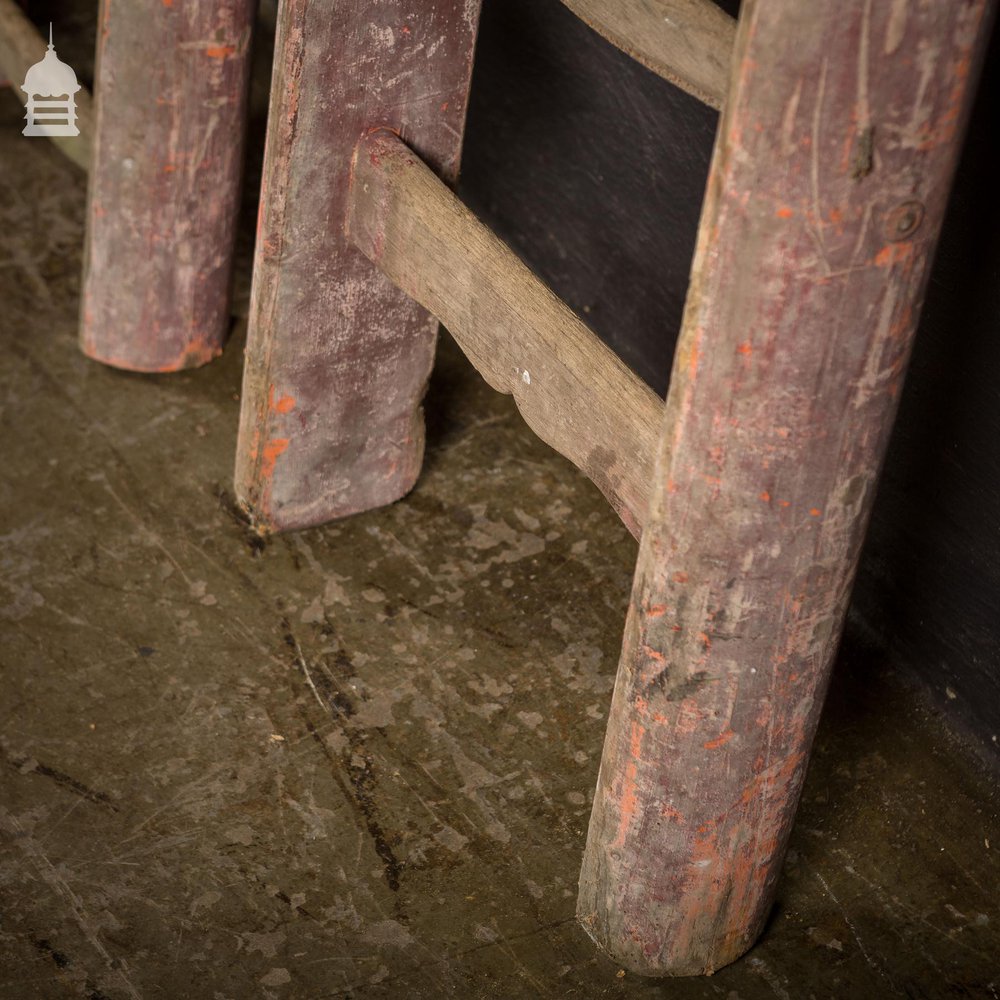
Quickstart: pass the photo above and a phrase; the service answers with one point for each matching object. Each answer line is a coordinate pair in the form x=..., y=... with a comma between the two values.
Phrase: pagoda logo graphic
x=51, y=86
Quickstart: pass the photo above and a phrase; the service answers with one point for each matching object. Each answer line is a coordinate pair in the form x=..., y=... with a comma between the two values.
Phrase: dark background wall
x=592, y=168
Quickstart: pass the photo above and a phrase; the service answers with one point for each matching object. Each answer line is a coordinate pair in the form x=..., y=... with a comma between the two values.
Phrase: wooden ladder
x=750, y=488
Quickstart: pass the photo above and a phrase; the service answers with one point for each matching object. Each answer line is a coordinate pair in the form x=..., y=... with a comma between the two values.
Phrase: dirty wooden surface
x=167, y=161
x=831, y=175
x=574, y=392
x=417, y=831
x=337, y=358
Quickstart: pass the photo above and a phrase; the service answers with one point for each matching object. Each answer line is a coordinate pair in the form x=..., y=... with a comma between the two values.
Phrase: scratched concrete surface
x=358, y=761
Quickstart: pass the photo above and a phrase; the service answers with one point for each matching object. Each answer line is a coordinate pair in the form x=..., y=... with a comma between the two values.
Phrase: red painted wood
x=164, y=186
x=831, y=172
x=337, y=357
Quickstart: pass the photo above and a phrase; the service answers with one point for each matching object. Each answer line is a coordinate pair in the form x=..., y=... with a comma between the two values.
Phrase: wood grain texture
x=338, y=358
x=21, y=46
x=830, y=178
x=572, y=390
x=164, y=186
x=688, y=42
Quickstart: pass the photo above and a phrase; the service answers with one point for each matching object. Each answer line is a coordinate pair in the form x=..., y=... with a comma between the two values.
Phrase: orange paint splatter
x=785, y=503
x=693, y=361
x=765, y=496
x=721, y=741
x=893, y=253
x=815, y=511
x=746, y=348
x=284, y=405
x=629, y=795
x=689, y=353
x=272, y=451
x=680, y=577
x=784, y=212
x=220, y=51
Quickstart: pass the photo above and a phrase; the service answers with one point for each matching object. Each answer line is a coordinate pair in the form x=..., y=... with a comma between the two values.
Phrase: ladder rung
x=572, y=390
x=688, y=42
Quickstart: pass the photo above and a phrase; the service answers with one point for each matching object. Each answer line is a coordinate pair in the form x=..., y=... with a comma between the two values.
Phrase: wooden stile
x=171, y=85
x=688, y=42
x=573, y=391
x=337, y=358
x=831, y=173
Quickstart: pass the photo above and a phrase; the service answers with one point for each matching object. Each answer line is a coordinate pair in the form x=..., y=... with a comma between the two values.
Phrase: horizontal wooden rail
x=21, y=46
x=688, y=42
x=572, y=390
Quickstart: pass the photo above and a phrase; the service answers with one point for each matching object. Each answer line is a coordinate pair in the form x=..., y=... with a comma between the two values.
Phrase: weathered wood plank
x=171, y=81
x=572, y=390
x=830, y=178
x=337, y=358
x=688, y=42
x=21, y=46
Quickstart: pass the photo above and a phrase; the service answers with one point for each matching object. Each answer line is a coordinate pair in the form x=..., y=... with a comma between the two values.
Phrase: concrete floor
x=358, y=761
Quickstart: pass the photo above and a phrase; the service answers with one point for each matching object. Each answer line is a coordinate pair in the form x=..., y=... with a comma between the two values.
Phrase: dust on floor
x=358, y=761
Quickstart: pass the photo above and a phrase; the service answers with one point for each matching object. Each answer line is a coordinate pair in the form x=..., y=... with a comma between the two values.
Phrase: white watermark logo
x=51, y=86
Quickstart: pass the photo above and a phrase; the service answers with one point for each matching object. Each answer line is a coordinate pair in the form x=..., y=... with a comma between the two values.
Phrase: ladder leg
x=337, y=357
x=165, y=179
x=830, y=177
